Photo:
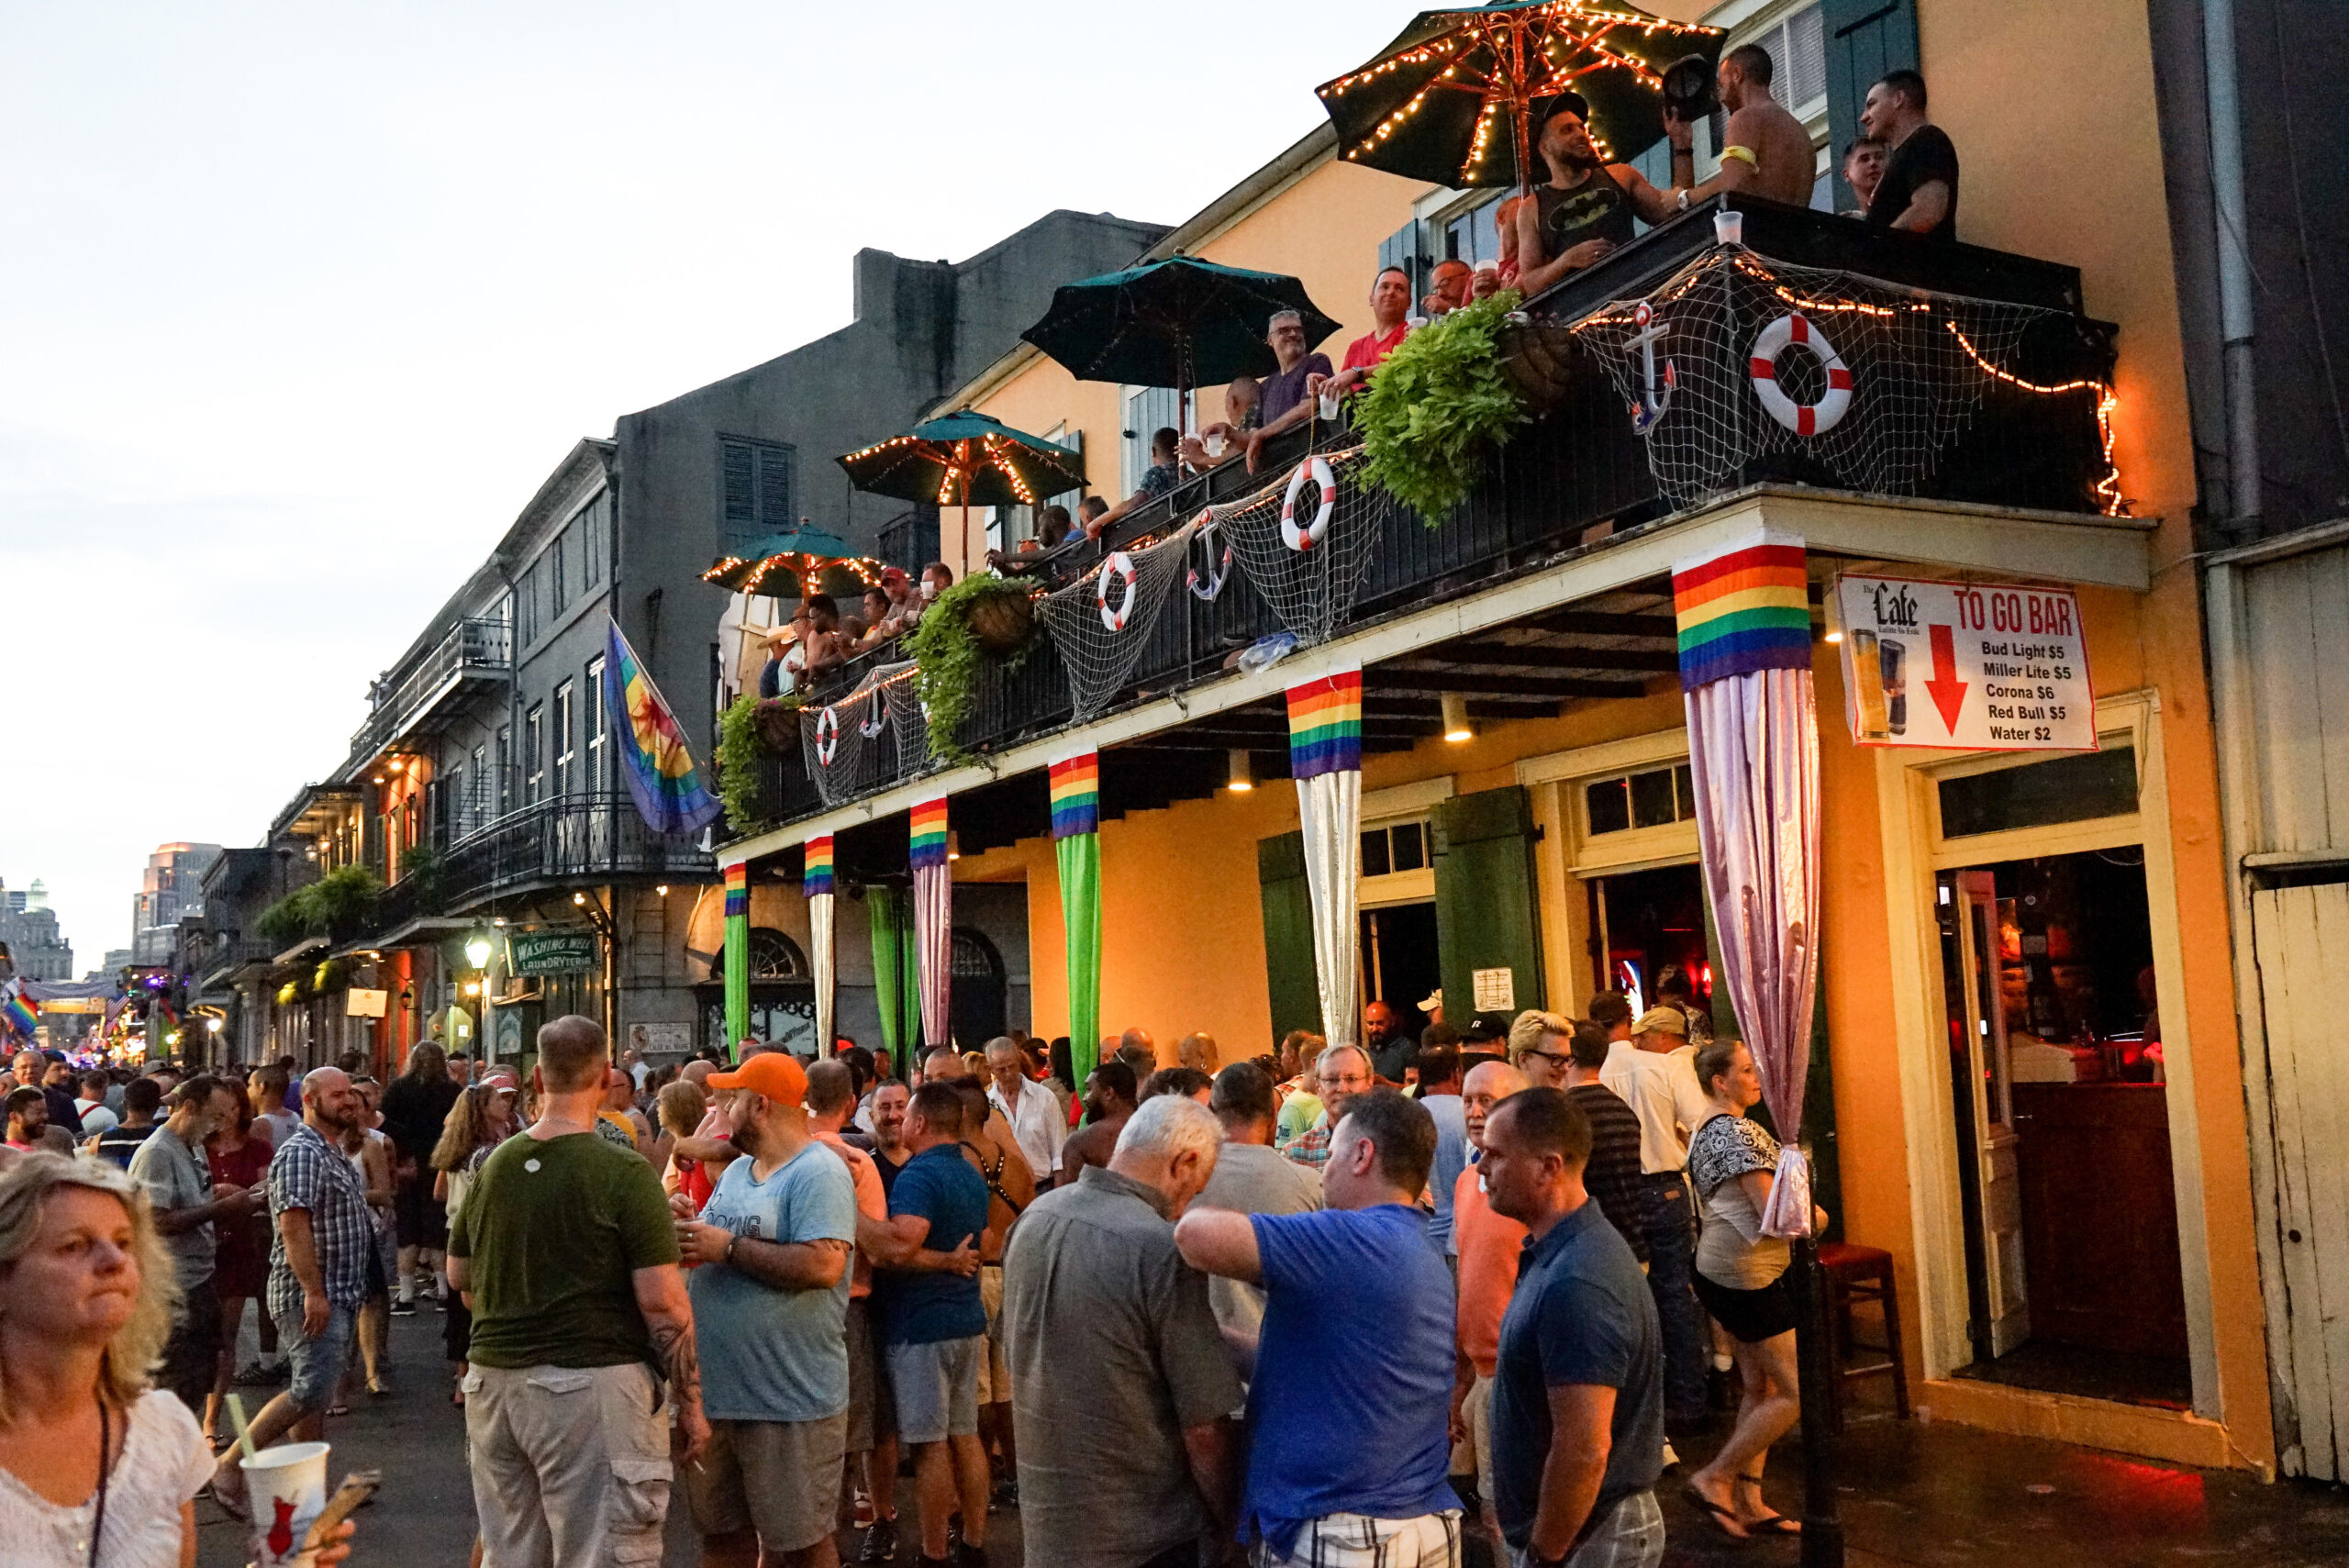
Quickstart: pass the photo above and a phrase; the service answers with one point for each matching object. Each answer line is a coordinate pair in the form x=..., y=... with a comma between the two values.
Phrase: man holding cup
x=317, y=1266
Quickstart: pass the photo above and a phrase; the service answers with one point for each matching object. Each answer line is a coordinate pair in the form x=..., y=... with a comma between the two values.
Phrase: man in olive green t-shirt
x=567, y=1252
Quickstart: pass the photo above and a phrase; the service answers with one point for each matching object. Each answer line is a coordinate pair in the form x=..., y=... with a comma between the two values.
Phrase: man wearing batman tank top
x=1587, y=209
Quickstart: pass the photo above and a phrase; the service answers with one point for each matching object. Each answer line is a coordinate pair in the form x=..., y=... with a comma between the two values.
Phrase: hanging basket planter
x=1001, y=623
x=1542, y=360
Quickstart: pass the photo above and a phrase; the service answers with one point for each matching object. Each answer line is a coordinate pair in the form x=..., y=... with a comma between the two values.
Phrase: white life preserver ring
x=1316, y=468
x=1120, y=566
x=1794, y=329
x=828, y=736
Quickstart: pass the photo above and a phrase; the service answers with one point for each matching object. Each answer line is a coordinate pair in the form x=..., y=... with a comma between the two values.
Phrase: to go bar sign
x=1964, y=666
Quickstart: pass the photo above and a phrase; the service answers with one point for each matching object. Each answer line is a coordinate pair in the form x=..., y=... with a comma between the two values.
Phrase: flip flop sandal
x=1768, y=1524
x=1721, y=1519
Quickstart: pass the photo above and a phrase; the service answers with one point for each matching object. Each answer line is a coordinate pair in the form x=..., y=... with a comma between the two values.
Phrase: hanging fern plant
x=981, y=621
x=743, y=731
x=1439, y=408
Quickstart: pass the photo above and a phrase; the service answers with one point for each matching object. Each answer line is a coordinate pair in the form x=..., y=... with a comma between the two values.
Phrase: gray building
x=30, y=927
x=172, y=883
x=490, y=799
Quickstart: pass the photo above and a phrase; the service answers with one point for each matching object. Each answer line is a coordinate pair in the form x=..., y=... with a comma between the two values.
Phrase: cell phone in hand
x=356, y=1488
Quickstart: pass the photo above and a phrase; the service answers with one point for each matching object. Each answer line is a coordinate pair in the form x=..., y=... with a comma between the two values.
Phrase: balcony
x=574, y=840
x=2029, y=439
x=230, y=953
x=477, y=652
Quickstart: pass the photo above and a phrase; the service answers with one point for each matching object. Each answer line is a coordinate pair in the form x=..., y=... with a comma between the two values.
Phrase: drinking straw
x=237, y=1419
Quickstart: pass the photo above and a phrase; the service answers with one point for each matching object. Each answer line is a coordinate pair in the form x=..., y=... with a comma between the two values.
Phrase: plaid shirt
x=1311, y=1147
x=308, y=1173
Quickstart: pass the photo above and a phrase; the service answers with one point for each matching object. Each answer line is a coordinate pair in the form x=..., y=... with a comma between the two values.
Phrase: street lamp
x=478, y=948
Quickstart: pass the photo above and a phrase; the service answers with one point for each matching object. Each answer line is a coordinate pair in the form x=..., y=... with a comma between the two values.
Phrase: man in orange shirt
x=872, y=1416
x=1488, y=1246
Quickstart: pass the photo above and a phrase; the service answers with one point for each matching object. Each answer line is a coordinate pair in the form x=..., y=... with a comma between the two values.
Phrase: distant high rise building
x=174, y=886
x=28, y=926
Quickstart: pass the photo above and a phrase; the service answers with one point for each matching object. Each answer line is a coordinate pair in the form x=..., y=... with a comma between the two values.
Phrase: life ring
x=1317, y=470
x=1121, y=566
x=1794, y=329
x=828, y=736
x=1205, y=588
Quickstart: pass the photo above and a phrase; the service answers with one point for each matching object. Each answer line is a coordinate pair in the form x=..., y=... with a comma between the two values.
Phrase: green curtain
x=1080, y=862
x=896, y=970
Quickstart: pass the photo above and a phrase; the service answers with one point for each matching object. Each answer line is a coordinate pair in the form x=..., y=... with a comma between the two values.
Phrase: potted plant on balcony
x=1438, y=407
x=982, y=620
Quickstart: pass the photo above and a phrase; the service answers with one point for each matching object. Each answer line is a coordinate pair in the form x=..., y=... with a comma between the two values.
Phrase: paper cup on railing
x=1729, y=228
x=286, y=1486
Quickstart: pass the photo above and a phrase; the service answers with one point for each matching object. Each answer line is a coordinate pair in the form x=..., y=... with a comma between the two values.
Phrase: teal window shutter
x=1485, y=901
x=1865, y=40
x=1289, y=934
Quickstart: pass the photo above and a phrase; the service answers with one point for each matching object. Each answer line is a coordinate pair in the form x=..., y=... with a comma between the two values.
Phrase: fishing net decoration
x=901, y=688
x=1737, y=357
x=1305, y=540
x=847, y=743
x=1102, y=621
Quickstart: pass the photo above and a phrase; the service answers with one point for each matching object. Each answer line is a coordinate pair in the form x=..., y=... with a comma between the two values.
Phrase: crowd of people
x=1419, y=1301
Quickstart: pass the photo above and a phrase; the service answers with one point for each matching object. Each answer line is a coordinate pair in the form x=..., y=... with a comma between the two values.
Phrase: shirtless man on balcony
x=1765, y=151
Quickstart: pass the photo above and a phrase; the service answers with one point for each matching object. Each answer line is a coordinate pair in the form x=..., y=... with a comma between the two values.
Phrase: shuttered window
x=1860, y=40
x=755, y=485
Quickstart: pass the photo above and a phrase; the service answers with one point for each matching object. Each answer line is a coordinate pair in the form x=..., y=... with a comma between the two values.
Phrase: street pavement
x=1927, y=1494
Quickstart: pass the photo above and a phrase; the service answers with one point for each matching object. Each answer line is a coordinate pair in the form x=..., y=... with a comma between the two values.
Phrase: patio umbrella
x=794, y=565
x=966, y=457
x=1179, y=323
x=1452, y=99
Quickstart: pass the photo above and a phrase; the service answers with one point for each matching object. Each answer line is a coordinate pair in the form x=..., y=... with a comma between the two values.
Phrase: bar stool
x=1865, y=1274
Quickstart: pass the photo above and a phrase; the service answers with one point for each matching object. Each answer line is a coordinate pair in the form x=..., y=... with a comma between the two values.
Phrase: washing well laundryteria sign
x=1963, y=666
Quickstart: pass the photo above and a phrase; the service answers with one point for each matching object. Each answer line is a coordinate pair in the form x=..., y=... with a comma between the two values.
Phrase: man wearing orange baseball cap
x=770, y=1282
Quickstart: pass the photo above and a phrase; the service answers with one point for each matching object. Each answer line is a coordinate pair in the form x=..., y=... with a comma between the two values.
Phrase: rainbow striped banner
x=738, y=889
x=928, y=845
x=1325, y=725
x=1742, y=609
x=1076, y=794
x=816, y=879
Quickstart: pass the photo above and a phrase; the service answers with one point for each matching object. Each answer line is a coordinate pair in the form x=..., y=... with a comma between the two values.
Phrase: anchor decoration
x=1657, y=395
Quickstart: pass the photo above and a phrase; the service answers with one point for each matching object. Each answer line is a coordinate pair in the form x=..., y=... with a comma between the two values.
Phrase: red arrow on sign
x=1948, y=692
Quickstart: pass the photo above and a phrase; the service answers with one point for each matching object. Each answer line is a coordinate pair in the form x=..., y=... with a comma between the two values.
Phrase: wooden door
x=2300, y=936
x=2100, y=1217
x=1997, y=1157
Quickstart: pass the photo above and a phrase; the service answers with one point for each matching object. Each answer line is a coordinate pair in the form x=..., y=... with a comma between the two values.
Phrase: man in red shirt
x=1390, y=304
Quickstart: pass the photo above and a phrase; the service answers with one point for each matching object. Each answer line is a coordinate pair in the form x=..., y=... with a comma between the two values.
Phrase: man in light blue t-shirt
x=1350, y=1404
x=770, y=1282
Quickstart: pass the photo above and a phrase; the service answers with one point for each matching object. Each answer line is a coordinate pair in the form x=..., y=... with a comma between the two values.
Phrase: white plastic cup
x=287, y=1487
x=1729, y=228
x=1215, y=444
x=1329, y=406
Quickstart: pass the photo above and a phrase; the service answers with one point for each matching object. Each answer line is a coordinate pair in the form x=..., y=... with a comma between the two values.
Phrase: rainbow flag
x=1076, y=794
x=1325, y=725
x=20, y=1015
x=1745, y=610
x=928, y=845
x=738, y=889
x=816, y=878
x=652, y=753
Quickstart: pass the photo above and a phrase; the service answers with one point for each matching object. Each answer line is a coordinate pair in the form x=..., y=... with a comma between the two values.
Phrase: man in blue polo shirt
x=1578, y=1396
x=1351, y=1395
x=933, y=1326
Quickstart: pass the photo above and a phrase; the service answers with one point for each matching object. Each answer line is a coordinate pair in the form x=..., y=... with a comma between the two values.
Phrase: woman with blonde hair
x=481, y=1118
x=95, y=1465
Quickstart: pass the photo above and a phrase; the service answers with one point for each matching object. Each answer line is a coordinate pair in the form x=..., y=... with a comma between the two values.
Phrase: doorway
x=1647, y=936
x=976, y=1001
x=2073, y=1278
x=1399, y=965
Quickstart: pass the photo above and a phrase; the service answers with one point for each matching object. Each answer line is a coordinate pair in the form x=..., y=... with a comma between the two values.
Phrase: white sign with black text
x=1964, y=666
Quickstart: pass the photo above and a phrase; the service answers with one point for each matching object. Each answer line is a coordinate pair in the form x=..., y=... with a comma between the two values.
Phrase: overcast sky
x=302, y=302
